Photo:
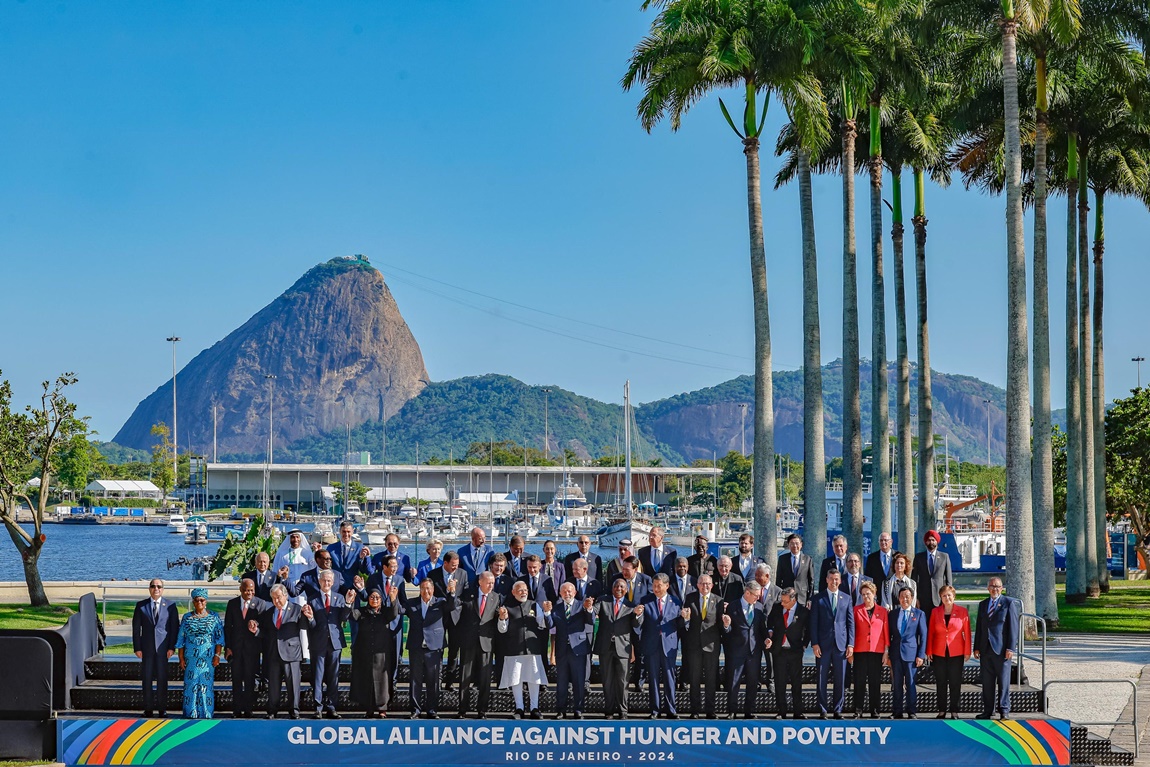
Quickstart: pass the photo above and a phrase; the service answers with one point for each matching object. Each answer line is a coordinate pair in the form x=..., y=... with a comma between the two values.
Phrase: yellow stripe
x=127, y=750
x=1027, y=740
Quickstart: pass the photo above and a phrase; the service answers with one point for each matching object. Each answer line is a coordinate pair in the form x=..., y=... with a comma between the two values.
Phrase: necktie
x=155, y=612
x=279, y=618
x=658, y=559
x=631, y=590
x=839, y=564
x=482, y=604
x=567, y=609
x=532, y=585
x=786, y=620
x=834, y=602
x=930, y=563
x=794, y=565
x=662, y=606
x=327, y=603
x=993, y=606
x=703, y=609
x=854, y=591
x=903, y=622
x=750, y=614
x=581, y=587
x=616, y=608
x=885, y=564
x=682, y=587
x=244, y=613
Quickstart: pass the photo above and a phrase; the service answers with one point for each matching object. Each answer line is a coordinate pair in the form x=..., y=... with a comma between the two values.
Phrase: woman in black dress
x=372, y=652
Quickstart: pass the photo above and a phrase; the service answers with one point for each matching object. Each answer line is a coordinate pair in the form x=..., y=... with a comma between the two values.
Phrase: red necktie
x=482, y=604
x=244, y=614
x=616, y=608
x=280, y=619
x=327, y=602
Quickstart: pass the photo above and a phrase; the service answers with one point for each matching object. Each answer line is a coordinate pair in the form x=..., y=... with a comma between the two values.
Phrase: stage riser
x=1093, y=750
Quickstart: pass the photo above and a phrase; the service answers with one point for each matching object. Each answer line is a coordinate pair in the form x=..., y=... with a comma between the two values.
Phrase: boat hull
x=637, y=532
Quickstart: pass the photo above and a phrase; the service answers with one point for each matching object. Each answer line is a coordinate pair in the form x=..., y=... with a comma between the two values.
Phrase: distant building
x=123, y=488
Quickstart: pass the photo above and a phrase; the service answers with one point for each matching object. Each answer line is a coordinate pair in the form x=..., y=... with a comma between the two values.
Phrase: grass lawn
x=1125, y=610
x=25, y=617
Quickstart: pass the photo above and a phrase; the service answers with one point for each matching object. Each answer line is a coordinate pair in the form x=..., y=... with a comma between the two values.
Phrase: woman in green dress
x=200, y=644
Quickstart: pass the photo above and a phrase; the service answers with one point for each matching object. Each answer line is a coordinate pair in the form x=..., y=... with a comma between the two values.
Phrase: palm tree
x=1076, y=574
x=695, y=47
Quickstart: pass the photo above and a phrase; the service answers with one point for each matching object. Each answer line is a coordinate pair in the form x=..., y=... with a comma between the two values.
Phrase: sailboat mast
x=627, y=445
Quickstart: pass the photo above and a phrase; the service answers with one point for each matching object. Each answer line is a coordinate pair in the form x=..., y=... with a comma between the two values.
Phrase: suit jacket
x=516, y=566
x=832, y=630
x=474, y=561
x=155, y=636
x=439, y=578
x=426, y=633
x=913, y=644
x=555, y=573
x=797, y=633
x=927, y=585
x=594, y=564
x=574, y=630
x=264, y=582
x=802, y=580
x=873, y=569
x=308, y=584
x=614, y=569
x=347, y=564
x=327, y=631
x=476, y=628
x=670, y=554
x=591, y=588
x=828, y=563
x=406, y=571
x=996, y=632
x=703, y=634
x=872, y=634
x=856, y=592
x=616, y=632
x=679, y=592
x=744, y=639
x=377, y=581
x=770, y=597
x=730, y=588
x=540, y=593
x=283, y=643
x=503, y=584
x=702, y=565
x=955, y=635
x=237, y=637
x=660, y=633
x=748, y=572
x=638, y=589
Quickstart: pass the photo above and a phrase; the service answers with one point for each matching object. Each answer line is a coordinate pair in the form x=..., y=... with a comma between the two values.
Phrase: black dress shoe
x=1003, y=715
x=147, y=714
x=431, y=715
x=293, y=715
x=837, y=715
x=536, y=713
x=983, y=715
x=873, y=715
x=161, y=714
x=653, y=715
x=798, y=716
x=561, y=715
x=730, y=716
x=518, y=714
x=858, y=713
x=953, y=715
x=941, y=715
x=414, y=715
x=822, y=715
x=332, y=715
x=672, y=715
x=912, y=716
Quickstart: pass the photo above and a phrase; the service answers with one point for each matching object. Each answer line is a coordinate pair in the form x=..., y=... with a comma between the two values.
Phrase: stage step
x=1086, y=748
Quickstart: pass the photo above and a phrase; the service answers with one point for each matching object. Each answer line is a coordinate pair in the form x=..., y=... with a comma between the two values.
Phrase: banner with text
x=468, y=742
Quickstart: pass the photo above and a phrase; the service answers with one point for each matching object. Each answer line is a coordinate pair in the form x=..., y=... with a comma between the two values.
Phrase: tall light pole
x=271, y=438
x=175, y=439
x=546, y=425
x=987, y=403
x=743, y=430
x=1138, y=362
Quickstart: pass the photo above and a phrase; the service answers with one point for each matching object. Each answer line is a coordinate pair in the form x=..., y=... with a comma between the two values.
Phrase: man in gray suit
x=931, y=571
x=281, y=627
x=619, y=624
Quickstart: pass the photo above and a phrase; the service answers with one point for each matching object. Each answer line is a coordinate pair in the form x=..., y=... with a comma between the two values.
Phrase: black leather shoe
x=147, y=714
x=653, y=715
x=983, y=715
x=837, y=715
x=798, y=716
x=561, y=715
x=822, y=715
x=332, y=715
x=414, y=715
x=577, y=715
x=941, y=715
x=953, y=715
x=1003, y=715
x=672, y=716
x=432, y=715
x=293, y=715
x=912, y=716
x=536, y=713
x=518, y=714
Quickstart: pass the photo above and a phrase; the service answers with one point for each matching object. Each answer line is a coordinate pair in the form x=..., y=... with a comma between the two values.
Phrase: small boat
x=176, y=524
x=408, y=511
x=323, y=532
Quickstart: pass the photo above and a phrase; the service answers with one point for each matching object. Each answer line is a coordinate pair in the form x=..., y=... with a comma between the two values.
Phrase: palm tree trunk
x=1075, y=523
x=880, y=397
x=814, y=460
x=1086, y=443
x=1020, y=525
x=1099, y=446
x=924, y=516
x=764, y=459
x=1042, y=468
x=902, y=414
x=852, y=407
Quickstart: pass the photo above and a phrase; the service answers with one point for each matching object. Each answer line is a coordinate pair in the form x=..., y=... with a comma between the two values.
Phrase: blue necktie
x=905, y=620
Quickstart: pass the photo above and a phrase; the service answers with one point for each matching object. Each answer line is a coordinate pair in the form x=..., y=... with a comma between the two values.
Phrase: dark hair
x=792, y=536
x=450, y=556
x=533, y=558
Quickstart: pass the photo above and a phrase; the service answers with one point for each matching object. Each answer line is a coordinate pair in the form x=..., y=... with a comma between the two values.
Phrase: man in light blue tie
x=908, y=630
x=832, y=639
x=879, y=563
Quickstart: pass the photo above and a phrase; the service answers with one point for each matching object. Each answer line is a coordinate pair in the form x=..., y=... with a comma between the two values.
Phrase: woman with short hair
x=948, y=643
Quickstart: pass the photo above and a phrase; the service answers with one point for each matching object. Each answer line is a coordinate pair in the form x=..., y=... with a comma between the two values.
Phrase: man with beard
x=701, y=562
x=746, y=562
x=574, y=623
x=931, y=571
x=523, y=628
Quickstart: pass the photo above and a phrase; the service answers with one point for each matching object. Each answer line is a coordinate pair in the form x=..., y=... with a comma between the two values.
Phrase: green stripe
x=194, y=730
x=978, y=734
x=155, y=738
x=1010, y=739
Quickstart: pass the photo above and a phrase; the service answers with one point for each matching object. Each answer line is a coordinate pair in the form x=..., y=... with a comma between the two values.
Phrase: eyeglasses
x=155, y=586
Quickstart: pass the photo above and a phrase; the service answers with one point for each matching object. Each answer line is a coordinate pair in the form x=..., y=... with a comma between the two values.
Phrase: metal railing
x=133, y=592
x=1022, y=655
x=1132, y=722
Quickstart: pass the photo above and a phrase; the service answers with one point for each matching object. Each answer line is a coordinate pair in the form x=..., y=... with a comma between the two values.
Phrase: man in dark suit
x=308, y=583
x=744, y=641
x=908, y=629
x=853, y=579
x=475, y=556
x=618, y=622
x=832, y=639
x=659, y=645
x=574, y=623
x=702, y=642
x=788, y=632
x=638, y=585
x=657, y=558
x=615, y=566
x=796, y=570
x=701, y=562
x=348, y=558
x=594, y=561
x=771, y=592
x=994, y=640
x=728, y=583
x=836, y=561
x=326, y=642
x=426, y=619
x=476, y=628
x=533, y=577
x=585, y=585
x=746, y=562
x=449, y=578
x=155, y=624
x=880, y=563
x=243, y=649
x=516, y=559
x=263, y=577
x=406, y=571
x=682, y=584
x=503, y=579
x=280, y=628
x=931, y=571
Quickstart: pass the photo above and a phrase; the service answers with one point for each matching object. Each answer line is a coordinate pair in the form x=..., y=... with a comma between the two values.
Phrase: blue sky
x=172, y=167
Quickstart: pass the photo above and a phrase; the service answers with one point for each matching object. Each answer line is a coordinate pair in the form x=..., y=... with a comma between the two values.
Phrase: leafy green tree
x=162, y=458
x=1128, y=464
x=356, y=491
x=75, y=463
x=30, y=442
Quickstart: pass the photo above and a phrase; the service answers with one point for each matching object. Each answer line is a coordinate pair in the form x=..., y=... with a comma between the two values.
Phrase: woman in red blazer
x=948, y=645
x=872, y=637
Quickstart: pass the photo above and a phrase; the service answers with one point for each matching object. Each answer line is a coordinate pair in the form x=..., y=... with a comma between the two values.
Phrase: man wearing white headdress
x=293, y=558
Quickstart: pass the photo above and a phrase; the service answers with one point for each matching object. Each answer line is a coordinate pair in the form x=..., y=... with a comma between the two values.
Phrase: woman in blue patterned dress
x=200, y=644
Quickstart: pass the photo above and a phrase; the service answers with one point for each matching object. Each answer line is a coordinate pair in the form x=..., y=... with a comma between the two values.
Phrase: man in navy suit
x=994, y=640
x=796, y=570
x=426, y=619
x=449, y=578
x=243, y=651
x=638, y=585
x=348, y=558
x=263, y=577
x=594, y=561
x=702, y=643
x=326, y=643
x=879, y=563
x=155, y=624
x=475, y=556
x=832, y=639
x=574, y=622
x=308, y=583
x=682, y=584
x=280, y=627
x=659, y=645
x=533, y=577
x=744, y=640
x=585, y=584
x=392, y=544
x=503, y=579
x=907, y=625
x=657, y=558
x=516, y=559
x=476, y=628
x=836, y=561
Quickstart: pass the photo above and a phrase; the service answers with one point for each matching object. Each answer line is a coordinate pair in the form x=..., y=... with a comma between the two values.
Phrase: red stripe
x=108, y=740
x=1055, y=741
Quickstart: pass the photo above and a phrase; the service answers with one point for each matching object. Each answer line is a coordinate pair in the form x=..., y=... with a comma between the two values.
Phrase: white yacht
x=177, y=525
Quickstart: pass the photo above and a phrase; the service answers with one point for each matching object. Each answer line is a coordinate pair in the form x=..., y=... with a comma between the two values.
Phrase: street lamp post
x=743, y=430
x=175, y=437
x=1138, y=363
x=987, y=403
